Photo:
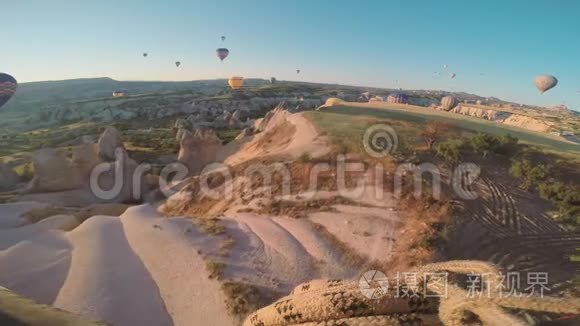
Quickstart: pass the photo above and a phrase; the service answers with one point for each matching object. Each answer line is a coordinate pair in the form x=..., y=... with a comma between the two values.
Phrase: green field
x=412, y=114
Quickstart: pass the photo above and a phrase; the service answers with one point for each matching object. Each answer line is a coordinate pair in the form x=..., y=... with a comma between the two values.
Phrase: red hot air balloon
x=8, y=87
x=222, y=53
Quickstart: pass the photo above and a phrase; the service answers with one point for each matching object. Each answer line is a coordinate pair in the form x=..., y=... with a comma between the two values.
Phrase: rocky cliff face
x=507, y=118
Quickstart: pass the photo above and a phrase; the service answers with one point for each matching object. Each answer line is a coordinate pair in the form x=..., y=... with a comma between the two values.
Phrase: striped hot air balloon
x=449, y=102
x=8, y=87
x=398, y=98
x=236, y=82
x=222, y=53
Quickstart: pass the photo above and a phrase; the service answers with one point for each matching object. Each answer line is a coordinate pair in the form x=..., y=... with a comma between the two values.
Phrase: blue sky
x=371, y=43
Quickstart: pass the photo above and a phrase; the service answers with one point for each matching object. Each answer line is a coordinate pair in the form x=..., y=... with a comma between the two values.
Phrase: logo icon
x=380, y=140
x=373, y=284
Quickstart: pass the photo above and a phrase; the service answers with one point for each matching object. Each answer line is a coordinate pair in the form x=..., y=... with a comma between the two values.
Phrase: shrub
x=566, y=198
x=531, y=174
x=215, y=269
x=485, y=143
x=449, y=150
x=508, y=144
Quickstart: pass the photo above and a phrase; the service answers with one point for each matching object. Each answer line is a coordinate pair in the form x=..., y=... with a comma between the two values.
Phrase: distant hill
x=45, y=93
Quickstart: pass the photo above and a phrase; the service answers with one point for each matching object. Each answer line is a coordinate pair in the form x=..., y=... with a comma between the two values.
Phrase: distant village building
x=118, y=93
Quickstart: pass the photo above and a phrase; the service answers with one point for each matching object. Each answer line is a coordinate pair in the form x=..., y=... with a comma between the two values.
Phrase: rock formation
x=8, y=178
x=503, y=117
x=53, y=172
x=85, y=158
x=108, y=142
x=198, y=149
x=271, y=118
x=245, y=133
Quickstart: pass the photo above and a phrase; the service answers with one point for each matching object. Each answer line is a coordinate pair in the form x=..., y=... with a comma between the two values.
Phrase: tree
x=567, y=200
x=485, y=143
x=529, y=173
x=449, y=150
x=433, y=132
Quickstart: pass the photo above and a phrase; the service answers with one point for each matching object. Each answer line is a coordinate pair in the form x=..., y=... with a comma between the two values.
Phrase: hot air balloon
x=236, y=82
x=444, y=66
x=8, y=87
x=223, y=38
x=177, y=63
x=333, y=101
x=398, y=98
x=222, y=53
x=272, y=80
x=145, y=55
x=545, y=82
x=449, y=102
x=452, y=75
x=297, y=71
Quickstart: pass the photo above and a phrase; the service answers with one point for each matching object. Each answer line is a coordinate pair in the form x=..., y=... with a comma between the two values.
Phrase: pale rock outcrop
x=235, y=121
x=53, y=172
x=109, y=141
x=246, y=132
x=179, y=134
x=503, y=117
x=198, y=149
x=8, y=178
x=125, y=175
x=272, y=118
x=85, y=158
x=237, y=115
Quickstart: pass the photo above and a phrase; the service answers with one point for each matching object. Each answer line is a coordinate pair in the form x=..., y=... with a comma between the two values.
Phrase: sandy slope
x=119, y=269
x=141, y=268
x=169, y=253
x=107, y=280
x=305, y=138
x=10, y=213
x=37, y=266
